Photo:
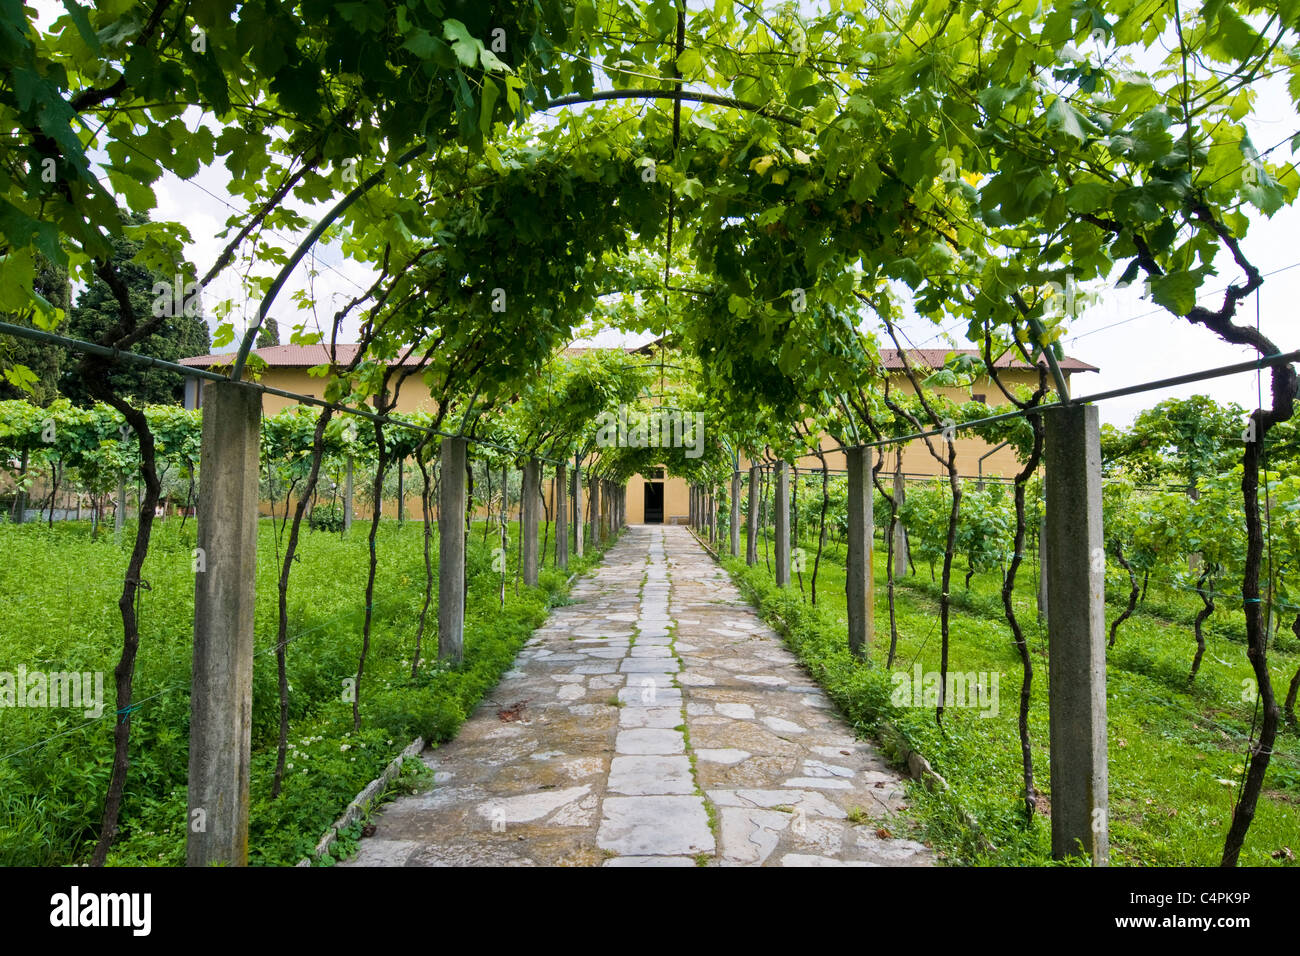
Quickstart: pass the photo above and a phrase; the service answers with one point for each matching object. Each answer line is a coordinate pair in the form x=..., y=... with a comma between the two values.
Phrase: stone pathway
x=657, y=721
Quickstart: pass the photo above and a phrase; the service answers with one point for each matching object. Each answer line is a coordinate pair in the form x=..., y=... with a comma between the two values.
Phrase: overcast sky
x=1129, y=338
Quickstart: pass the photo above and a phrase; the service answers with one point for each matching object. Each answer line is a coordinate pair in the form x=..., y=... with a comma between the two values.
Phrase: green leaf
x=428, y=47
x=663, y=16
x=468, y=49
x=1176, y=291
x=1130, y=273
x=21, y=377
x=78, y=14
x=492, y=62
x=1062, y=116
x=491, y=92
x=994, y=99
x=1088, y=197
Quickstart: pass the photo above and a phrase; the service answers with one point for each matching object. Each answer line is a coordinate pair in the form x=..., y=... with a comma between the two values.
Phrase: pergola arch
x=376, y=178
x=982, y=188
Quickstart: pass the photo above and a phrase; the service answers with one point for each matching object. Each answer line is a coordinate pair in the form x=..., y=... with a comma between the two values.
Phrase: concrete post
x=713, y=519
x=599, y=505
x=347, y=499
x=528, y=518
x=401, y=491
x=860, y=585
x=783, y=525
x=560, y=486
x=1043, y=549
x=451, y=551
x=20, y=497
x=1076, y=634
x=734, y=524
x=221, y=684
x=503, y=518
x=119, y=518
x=578, y=525
x=751, y=546
x=902, y=555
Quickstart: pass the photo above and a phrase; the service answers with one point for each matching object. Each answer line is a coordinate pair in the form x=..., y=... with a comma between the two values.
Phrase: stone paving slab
x=656, y=721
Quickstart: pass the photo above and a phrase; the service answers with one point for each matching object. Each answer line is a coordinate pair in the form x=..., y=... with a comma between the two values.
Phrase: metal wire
x=133, y=358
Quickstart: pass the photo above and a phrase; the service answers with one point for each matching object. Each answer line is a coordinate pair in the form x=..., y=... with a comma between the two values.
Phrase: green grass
x=60, y=613
x=1170, y=745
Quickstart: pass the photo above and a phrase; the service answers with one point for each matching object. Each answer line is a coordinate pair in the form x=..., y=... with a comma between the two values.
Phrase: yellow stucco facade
x=974, y=456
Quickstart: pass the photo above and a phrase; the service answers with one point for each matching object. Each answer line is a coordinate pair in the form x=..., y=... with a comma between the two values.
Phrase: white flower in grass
x=343, y=747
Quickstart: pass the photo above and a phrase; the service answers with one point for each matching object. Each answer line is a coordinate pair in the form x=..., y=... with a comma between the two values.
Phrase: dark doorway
x=654, y=502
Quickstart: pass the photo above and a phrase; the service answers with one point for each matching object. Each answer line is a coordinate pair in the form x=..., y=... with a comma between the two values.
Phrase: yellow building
x=975, y=458
x=287, y=368
x=655, y=498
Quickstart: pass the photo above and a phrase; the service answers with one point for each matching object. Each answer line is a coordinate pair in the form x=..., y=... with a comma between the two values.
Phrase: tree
x=31, y=370
x=183, y=333
x=1186, y=439
x=269, y=335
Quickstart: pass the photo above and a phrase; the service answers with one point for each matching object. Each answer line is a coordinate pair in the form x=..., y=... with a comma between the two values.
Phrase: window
x=978, y=397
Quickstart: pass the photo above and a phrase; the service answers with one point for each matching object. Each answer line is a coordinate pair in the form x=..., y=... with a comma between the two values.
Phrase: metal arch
x=250, y=336
x=311, y=239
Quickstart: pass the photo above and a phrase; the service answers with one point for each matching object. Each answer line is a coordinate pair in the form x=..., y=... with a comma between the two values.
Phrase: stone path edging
x=361, y=803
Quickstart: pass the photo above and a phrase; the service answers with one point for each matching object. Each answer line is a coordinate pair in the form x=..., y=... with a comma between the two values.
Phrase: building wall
x=677, y=499
x=414, y=397
x=636, y=501
x=917, y=460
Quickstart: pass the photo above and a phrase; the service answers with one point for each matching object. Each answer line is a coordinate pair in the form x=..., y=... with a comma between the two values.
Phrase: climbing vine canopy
x=766, y=190
x=974, y=157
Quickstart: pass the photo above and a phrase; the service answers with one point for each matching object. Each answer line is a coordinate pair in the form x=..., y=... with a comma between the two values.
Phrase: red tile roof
x=934, y=359
x=288, y=356
x=309, y=356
